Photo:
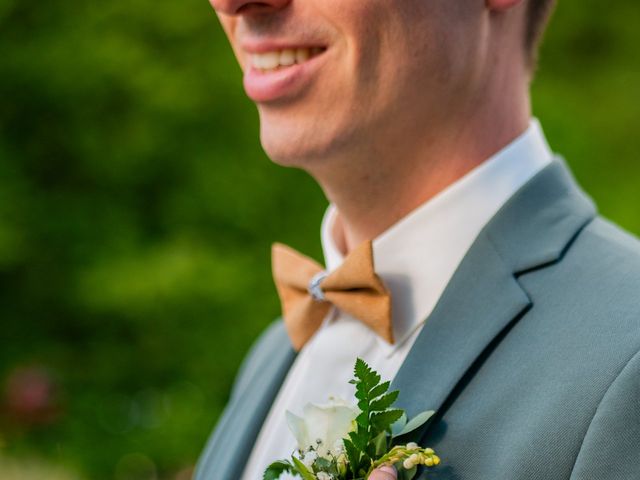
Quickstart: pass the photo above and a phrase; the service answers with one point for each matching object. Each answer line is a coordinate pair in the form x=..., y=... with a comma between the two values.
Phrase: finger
x=384, y=473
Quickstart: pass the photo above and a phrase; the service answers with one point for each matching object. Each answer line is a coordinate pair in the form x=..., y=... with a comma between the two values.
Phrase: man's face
x=366, y=72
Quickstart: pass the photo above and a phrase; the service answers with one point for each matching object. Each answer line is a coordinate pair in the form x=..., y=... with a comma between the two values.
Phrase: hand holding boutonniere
x=337, y=441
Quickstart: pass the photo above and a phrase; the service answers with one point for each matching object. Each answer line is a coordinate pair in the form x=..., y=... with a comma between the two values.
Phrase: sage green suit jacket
x=531, y=357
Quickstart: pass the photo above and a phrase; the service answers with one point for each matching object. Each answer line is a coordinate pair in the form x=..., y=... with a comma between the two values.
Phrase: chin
x=294, y=147
x=306, y=141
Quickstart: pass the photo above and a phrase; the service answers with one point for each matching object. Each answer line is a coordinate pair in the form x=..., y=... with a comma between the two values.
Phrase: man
x=515, y=307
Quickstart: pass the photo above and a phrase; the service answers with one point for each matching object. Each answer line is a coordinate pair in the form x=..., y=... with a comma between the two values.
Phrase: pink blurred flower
x=31, y=396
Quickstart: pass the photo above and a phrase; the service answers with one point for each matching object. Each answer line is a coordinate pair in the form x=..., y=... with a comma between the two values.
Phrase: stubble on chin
x=304, y=143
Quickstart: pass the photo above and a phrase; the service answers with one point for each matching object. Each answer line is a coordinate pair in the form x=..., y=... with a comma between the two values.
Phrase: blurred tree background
x=137, y=212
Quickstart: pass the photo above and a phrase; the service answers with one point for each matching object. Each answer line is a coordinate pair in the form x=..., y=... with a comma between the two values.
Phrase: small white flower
x=309, y=457
x=338, y=447
x=412, y=446
x=324, y=476
x=408, y=464
x=322, y=426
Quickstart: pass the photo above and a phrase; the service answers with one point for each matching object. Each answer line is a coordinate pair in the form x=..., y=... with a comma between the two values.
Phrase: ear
x=501, y=5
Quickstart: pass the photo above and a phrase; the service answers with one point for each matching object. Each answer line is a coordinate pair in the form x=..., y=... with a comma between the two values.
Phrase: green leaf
x=399, y=425
x=276, y=469
x=383, y=420
x=363, y=419
x=322, y=464
x=367, y=377
x=361, y=369
x=379, y=390
x=416, y=422
x=370, y=440
x=380, y=444
x=353, y=455
x=360, y=440
x=404, y=474
x=384, y=402
x=302, y=470
x=373, y=381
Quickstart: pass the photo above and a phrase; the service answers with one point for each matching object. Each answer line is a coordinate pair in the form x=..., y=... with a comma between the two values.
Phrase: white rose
x=322, y=426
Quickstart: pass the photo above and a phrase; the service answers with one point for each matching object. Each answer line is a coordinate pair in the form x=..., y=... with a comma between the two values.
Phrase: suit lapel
x=226, y=453
x=484, y=298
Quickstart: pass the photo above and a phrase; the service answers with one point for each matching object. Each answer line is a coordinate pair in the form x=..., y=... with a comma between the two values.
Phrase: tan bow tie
x=307, y=292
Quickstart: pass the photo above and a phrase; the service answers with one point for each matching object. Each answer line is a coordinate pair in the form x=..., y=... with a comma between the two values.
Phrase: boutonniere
x=338, y=441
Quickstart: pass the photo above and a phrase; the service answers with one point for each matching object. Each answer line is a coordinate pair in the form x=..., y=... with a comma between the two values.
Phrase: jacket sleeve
x=611, y=447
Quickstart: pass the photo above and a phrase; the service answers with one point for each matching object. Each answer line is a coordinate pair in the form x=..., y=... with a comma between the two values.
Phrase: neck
x=371, y=196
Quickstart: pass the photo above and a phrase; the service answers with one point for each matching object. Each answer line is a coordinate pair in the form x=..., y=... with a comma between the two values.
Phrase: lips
x=275, y=72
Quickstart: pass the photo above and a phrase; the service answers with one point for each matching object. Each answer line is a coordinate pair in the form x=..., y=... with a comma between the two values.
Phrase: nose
x=247, y=7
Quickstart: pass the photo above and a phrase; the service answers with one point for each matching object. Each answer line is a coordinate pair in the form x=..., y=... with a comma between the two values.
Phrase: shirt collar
x=418, y=255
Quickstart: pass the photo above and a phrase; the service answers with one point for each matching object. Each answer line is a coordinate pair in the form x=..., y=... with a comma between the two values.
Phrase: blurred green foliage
x=137, y=212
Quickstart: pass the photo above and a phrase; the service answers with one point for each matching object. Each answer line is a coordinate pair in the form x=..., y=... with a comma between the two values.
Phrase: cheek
x=387, y=44
x=424, y=47
x=387, y=38
x=365, y=31
x=228, y=24
x=226, y=21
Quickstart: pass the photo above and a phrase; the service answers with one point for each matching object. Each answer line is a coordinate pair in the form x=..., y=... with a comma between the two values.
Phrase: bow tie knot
x=315, y=288
x=307, y=292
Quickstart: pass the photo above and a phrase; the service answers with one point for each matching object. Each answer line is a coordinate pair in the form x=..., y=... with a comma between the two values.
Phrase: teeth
x=268, y=60
x=287, y=57
x=302, y=54
x=277, y=58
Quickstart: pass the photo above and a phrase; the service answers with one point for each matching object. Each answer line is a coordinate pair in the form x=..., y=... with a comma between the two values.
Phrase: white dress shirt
x=415, y=258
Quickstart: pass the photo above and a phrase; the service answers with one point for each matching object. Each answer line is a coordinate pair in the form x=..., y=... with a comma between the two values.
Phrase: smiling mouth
x=280, y=59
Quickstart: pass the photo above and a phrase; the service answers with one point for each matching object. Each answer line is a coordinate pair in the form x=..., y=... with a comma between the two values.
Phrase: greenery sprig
x=368, y=442
x=370, y=439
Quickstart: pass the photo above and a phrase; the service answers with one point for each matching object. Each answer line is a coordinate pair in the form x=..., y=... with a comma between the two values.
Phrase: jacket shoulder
x=613, y=239
x=611, y=253
x=596, y=283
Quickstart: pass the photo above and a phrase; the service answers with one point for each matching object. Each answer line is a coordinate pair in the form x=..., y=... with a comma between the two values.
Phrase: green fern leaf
x=379, y=390
x=384, y=402
x=382, y=421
